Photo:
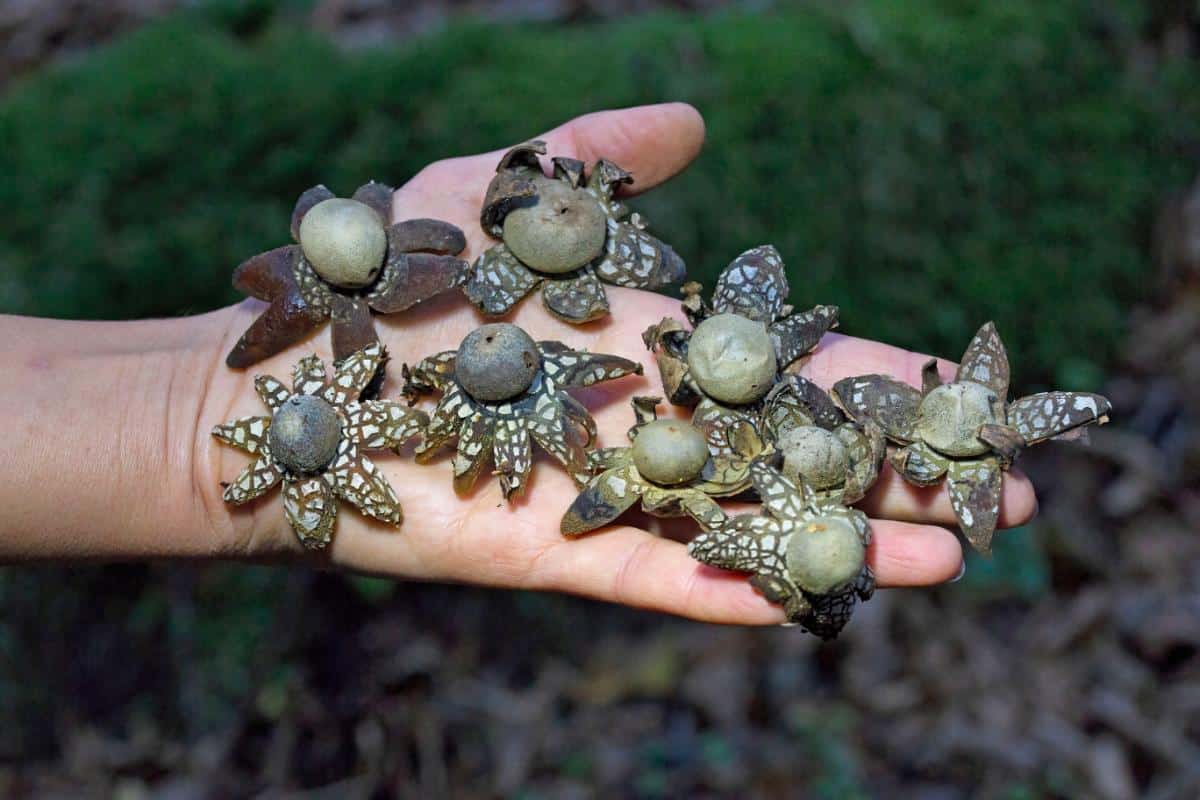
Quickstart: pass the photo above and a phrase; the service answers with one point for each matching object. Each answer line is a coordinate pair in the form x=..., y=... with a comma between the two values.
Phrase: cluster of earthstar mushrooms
x=758, y=430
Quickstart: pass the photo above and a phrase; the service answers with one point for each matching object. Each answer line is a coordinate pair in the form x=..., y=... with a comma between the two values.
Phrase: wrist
x=103, y=456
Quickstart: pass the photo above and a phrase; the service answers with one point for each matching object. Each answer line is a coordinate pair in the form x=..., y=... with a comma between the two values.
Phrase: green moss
x=926, y=165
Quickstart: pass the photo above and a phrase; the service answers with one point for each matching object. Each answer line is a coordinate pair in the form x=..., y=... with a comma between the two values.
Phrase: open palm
x=478, y=537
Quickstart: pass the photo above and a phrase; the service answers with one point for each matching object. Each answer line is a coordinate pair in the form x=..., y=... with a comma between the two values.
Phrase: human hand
x=478, y=537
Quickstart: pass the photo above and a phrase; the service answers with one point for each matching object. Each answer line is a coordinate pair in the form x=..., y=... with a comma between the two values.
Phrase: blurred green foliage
x=1018, y=568
x=183, y=649
x=926, y=165
x=822, y=733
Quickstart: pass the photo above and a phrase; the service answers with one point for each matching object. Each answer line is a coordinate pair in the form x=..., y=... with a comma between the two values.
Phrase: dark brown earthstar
x=349, y=261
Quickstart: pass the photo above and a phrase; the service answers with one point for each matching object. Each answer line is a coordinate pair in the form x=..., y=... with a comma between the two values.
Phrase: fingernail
x=962, y=570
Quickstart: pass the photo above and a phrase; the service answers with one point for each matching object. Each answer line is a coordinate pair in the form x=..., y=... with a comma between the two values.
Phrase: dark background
x=926, y=165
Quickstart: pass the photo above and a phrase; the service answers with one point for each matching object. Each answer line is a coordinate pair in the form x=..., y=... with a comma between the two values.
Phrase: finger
x=840, y=356
x=652, y=142
x=892, y=497
x=905, y=554
x=629, y=566
x=632, y=567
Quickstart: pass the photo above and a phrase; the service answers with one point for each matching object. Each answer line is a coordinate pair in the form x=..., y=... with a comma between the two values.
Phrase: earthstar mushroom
x=501, y=408
x=740, y=345
x=804, y=553
x=966, y=431
x=669, y=467
x=314, y=442
x=565, y=233
x=348, y=261
x=838, y=460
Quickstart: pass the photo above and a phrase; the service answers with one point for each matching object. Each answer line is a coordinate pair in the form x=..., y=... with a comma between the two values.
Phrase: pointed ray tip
x=987, y=329
x=572, y=525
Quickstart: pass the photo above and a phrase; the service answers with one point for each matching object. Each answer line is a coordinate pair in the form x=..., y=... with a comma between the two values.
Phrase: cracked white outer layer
x=309, y=499
x=505, y=432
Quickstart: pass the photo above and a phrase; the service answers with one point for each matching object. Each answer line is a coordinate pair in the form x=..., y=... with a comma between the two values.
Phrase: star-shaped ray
x=975, y=488
x=1047, y=415
x=607, y=497
x=636, y=259
x=890, y=403
x=578, y=298
x=476, y=437
x=356, y=479
x=246, y=433
x=986, y=361
x=383, y=424
x=271, y=391
x=569, y=367
x=499, y=281
x=258, y=477
x=351, y=376
x=308, y=376
x=512, y=455
x=308, y=504
x=754, y=285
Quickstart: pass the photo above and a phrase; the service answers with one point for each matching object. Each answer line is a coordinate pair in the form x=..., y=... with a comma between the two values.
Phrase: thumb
x=652, y=142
